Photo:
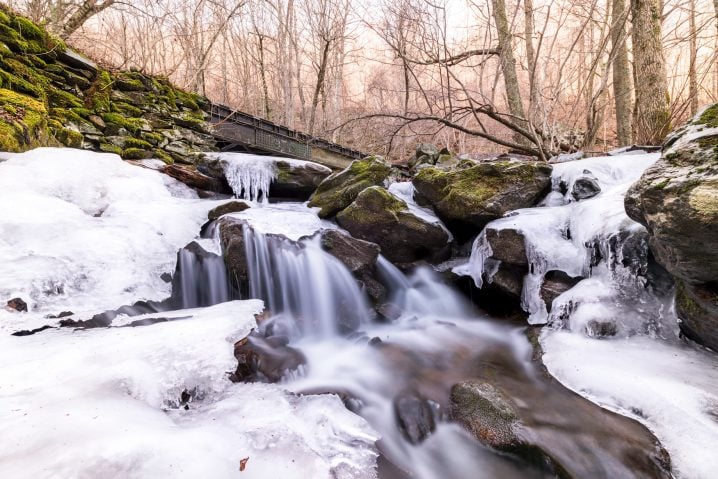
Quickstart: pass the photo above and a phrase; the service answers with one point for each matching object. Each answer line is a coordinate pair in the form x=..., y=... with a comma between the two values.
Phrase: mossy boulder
x=378, y=216
x=467, y=197
x=677, y=200
x=337, y=191
x=297, y=179
x=23, y=121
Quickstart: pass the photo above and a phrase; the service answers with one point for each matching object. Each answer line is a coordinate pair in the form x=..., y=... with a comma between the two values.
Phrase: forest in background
x=536, y=76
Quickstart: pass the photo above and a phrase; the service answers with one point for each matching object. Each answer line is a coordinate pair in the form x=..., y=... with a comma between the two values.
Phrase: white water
x=87, y=232
x=250, y=176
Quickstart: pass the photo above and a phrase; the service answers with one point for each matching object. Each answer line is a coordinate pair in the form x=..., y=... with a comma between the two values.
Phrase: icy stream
x=149, y=396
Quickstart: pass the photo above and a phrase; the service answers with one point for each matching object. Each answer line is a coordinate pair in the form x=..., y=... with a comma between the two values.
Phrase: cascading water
x=303, y=282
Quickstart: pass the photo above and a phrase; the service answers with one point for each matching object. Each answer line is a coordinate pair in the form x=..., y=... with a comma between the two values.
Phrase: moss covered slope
x=49, y=98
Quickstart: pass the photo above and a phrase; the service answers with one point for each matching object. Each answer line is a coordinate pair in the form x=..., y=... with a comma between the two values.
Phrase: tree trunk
x=692, y=73
x=83, y=13
x=622, y=87
x=651, y=116
x=531, y=60
x=508, y=62
x=319, y=87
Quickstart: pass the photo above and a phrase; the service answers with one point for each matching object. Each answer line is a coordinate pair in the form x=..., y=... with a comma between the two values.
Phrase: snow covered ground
x=85, y=232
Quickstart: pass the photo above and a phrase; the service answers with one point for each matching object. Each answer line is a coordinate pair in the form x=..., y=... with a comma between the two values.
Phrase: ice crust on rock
x=106, y=403
x=290, y=219
x=88, y=230
x=250, y=176
x=405, y=191
x=560, y=235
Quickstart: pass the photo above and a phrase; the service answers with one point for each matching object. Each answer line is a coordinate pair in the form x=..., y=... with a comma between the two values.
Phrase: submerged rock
x=414, y=416
x=467, y=198
x=380, y=217
x=337, y=191
x=677, y=200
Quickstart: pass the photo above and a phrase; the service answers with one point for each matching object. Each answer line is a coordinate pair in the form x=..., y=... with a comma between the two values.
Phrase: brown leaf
x=243, y=464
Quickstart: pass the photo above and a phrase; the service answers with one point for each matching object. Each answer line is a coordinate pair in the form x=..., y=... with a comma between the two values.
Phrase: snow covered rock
x=677, y=200
x=338, y=190
x=380, y=217
x=467, y=198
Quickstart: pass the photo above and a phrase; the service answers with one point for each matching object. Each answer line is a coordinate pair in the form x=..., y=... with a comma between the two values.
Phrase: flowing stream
x=148, y=396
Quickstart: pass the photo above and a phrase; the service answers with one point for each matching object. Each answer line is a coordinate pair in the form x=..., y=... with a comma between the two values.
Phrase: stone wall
x=50, y=96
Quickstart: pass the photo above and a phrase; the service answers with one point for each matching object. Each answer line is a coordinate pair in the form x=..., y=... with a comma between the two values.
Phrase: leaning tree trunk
x=508, y=65
x=622, y=87
x=651, y=116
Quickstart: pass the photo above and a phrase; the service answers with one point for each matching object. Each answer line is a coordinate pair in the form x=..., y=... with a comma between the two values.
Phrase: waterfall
x=200, y=277
x=301, y=281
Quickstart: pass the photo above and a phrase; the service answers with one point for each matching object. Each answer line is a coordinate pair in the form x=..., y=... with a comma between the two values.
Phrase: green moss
x=23, y=121
x=130, y=124
x=662, y=184
x=110, y=148
x=135, y=154
x=69, y=138
x=128, y=81
x=160, y=154
x=4, y=18
x=19, y=100
x=152, y=137
x=97, y=96
x=137, y=143
x=62, y=98
x=27, y=29
x=125, y=109
x=709, y=117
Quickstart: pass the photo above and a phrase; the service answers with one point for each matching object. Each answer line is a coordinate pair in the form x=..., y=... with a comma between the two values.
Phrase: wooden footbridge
x=238, y=131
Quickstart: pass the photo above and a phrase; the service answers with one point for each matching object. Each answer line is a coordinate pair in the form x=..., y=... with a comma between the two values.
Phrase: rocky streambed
x=371, y=352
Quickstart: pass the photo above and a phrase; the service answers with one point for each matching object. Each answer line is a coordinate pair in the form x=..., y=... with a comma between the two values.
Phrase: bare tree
x=622, y=85
x=652, y=120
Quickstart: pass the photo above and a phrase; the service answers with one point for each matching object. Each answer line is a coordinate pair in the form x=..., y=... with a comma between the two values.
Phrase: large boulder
x=677, y=200
x=469, y=196
x=337, y=191
x=382, y=218
x=297, y=179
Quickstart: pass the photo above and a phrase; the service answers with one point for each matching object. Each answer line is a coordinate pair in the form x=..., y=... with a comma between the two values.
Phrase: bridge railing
x=239, y=127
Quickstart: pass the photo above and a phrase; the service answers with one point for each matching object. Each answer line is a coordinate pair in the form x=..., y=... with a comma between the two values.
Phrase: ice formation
x=86, y=232
x=405, y=192
x=250, y=176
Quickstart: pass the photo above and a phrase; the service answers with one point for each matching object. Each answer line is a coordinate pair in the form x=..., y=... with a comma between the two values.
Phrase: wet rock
x=487, y=413
x=234, y=206
x=265, y=359
x=677, y=200
x=555, y=283
x=389, y=311
x=508, y=245
x=414, y=416
x=297, y=181
x=235, y=256
x=358, y=256
x=466, y=199
x=193, y=178
x=380, y=217
x=337, y=191
x=17, y=304
x=585, y=186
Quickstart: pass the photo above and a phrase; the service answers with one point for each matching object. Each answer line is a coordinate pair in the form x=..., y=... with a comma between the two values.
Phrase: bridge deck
x=241, y=130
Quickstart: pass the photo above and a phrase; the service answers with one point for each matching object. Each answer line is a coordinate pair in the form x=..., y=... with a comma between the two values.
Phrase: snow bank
x=293, y=220
x=106, y=403
x=671, y=387
x=87, y=231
